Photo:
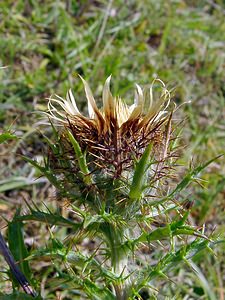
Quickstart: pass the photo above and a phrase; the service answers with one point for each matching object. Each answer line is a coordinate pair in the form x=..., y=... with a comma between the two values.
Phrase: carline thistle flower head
x=117, y=134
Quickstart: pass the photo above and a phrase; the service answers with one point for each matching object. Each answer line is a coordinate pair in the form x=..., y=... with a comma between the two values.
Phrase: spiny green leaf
x=170, y=260
x=48, y=174
x=191, y=176
x=81, y=159
x=89, y=263
x=173, y=229
x=49, y=218
x=139, y=177
x=180, y=222
x=96, y=292
x=157, y=234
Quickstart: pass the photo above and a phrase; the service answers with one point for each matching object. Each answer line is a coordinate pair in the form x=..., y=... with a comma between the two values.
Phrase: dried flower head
x=117, y=134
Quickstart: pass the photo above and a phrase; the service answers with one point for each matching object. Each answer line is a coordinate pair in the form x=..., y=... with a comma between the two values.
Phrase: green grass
x=46, y=45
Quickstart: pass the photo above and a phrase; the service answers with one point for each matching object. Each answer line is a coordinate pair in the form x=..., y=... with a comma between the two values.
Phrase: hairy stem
x=119, y=257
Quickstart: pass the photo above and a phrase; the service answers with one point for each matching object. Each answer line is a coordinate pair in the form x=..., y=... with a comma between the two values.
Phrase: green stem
x=114, y=237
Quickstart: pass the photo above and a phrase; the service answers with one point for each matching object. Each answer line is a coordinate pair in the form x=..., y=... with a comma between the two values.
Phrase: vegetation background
x=45, y=44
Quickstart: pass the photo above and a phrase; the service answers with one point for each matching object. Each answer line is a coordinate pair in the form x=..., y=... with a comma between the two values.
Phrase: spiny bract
x=117, y=134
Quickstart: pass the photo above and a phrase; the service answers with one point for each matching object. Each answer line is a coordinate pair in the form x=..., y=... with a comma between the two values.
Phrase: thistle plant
x=116, y=170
